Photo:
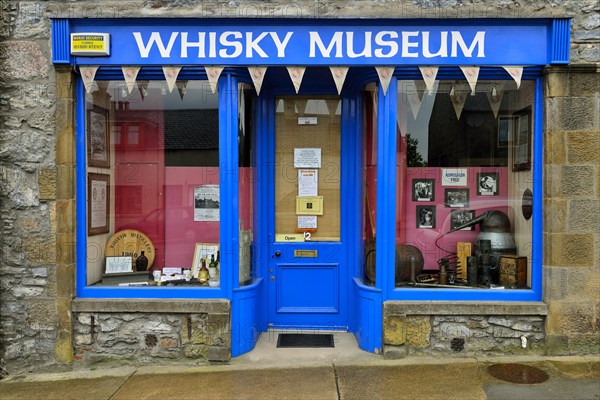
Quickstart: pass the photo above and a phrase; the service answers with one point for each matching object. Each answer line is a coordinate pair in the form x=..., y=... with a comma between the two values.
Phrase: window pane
x=155, y=155
x=464, y=165
x=370, y=181
x=247, y=178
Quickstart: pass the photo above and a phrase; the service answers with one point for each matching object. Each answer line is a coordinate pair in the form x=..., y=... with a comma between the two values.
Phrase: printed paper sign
x=308, y=182
x=454, y=177
x=206, y=203
x=307, y=222
x=307, y=158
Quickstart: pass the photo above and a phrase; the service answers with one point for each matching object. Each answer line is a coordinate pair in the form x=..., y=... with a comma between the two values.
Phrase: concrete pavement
x=412, y=378
x=343, y=372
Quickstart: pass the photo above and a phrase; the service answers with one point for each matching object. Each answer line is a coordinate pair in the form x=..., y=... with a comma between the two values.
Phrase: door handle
x=277, y=253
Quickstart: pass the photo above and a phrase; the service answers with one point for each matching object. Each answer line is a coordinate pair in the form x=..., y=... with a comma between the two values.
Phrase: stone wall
x=37, y=177
x=462, y=328
x=155, y=331
x=572, y=209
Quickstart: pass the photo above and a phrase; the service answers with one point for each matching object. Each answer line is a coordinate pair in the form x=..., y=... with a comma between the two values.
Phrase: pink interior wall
x=181, y=231
x=424, y=239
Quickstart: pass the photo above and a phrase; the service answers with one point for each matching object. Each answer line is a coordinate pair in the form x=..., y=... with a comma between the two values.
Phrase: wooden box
x=513, y=271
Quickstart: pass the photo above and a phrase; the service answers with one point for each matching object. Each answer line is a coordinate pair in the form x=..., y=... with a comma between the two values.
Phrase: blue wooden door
x=307, y=275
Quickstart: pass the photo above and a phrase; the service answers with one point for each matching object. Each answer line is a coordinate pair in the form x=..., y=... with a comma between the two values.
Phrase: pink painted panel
x=181, y=231
x=425, y=239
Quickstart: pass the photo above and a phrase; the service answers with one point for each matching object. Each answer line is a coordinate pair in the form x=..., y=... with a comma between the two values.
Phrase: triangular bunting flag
x=171, y=74
x=130, y=74
x=429, y=74
x=412, y=95
x=213, y=72
x=296, y=73
x=88, y=74
x=339, y=76
x=385, y=76
x=494, y=95
x=458, y=95
x=181, y=88
x=300, y=105
x=257, y=74
x=471, y=73
x=516, y=73
x=143, y=88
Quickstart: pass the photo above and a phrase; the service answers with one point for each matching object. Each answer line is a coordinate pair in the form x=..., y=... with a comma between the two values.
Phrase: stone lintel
x=455, y=308
x=153, y=306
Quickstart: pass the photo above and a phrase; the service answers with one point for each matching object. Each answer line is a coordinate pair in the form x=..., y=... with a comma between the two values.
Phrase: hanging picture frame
x=487, y=184
x=98, y=138
x=506, y=125
x=426, y=217
x=423, y=189
x=98, y=211
x=521, y=153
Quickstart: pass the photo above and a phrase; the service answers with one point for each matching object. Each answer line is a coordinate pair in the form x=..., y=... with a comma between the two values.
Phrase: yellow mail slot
x=306, y=253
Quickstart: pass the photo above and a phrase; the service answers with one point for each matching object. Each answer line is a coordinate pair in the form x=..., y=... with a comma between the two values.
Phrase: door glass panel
x=307, y=162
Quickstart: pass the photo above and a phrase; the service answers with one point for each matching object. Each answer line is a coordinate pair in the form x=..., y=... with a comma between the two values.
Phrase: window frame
x=387, y=193
x=228, y=161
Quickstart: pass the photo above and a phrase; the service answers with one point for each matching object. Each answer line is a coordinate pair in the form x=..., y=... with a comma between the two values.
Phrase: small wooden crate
x=513, y=271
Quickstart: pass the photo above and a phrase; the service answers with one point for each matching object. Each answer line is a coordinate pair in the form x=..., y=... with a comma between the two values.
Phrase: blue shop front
x=308, y=172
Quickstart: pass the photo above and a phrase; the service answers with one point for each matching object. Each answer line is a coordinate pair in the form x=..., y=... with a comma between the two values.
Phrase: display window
x=153, y=188
x=464, y=177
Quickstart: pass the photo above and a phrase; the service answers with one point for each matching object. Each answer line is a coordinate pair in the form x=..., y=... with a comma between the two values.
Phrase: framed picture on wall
x=456, y=198
x=487, y=183
x=98, y=212
x=426, y=217
x=423, y=189
x=98, y=138
x=203, y=250
x=460, y=217
x=522, y=140
x=505, y=130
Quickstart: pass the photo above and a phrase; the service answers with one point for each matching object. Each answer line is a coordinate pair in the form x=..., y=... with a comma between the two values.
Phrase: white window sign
x=307, y=222
x=308, y=182
x=454, y=177
x=115, y=265
x=307, y=158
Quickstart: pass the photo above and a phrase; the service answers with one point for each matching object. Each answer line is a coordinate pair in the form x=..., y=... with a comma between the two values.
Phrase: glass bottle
x=203, y=273
x=141, y=263
x=212, y=267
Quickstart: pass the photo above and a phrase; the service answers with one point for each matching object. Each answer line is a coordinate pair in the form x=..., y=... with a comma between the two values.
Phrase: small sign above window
x=90, y=44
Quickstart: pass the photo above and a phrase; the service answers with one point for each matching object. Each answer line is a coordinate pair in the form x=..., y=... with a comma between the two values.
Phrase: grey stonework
x=32, y=181
x=144, y=338
x=476, y=335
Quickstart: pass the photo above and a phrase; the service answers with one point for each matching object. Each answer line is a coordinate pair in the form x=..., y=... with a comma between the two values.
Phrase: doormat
x=305, y=340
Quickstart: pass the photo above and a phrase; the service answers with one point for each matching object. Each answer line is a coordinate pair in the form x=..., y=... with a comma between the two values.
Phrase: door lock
x=277, y=253
x=272, y=278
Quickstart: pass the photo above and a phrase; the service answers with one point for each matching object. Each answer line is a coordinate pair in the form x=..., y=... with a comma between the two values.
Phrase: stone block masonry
x=463, y=328
x=155, y=331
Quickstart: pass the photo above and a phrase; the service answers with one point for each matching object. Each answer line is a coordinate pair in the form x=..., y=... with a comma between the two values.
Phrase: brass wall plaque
x=305, y=253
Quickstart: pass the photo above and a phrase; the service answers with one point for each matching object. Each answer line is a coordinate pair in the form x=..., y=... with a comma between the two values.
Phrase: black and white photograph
x=423, y=189
x=206, y=203
x=456, y=198
x=426, y=217
x=460, y=217
x=487, y=184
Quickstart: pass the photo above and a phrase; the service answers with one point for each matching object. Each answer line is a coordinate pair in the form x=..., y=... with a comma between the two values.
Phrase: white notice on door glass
x=307, y=222
x=308, y=182
x=206, y=203
x=307, y=158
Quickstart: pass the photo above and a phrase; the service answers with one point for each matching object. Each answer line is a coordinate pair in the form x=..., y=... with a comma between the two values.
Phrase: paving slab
x=553, y=389
x=75, y=389
x=444, y=382
x=265, y=384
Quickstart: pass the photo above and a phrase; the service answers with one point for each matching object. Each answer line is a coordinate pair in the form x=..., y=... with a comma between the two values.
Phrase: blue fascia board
x=393, y=41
